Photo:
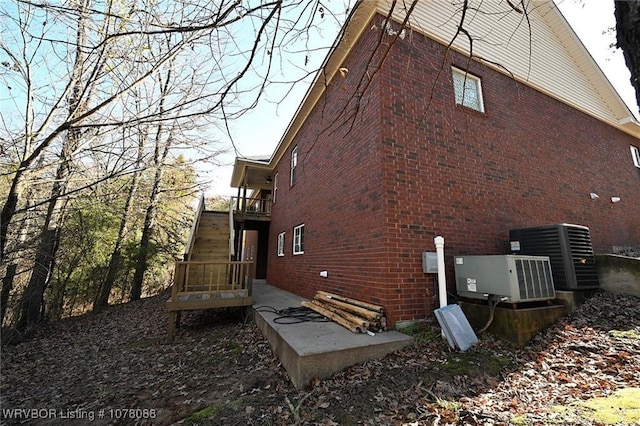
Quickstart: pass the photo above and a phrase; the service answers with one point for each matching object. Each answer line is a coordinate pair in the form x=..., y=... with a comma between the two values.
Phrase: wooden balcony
x=246, y=208
x=206, y=285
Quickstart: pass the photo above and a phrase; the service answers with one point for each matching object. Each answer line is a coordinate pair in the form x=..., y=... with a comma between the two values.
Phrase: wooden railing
x=251, y=206
x=212, y=277
x=207, y=285
x=194, y=228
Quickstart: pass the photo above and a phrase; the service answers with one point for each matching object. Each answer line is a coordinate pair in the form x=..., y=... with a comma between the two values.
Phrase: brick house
x=401, y=139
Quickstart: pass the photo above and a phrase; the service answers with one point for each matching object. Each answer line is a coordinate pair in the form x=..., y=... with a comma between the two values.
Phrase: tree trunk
x=102, y=297
x=13, y=258
x=33, y=296
x=147, y=231
x=7, y=286
x=627, y=15
x=141, y=265
x=8, y=211
x=32, y=304
x=159, y=157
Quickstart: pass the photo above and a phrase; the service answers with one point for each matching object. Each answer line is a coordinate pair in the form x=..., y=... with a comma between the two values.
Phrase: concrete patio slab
x=315, y=350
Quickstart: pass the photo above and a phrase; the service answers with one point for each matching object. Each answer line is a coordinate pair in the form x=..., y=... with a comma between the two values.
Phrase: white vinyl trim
x=281, y=244
x=635, y=154
x=298, y=239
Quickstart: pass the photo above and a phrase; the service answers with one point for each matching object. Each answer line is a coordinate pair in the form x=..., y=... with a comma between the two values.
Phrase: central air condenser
x=569, y=249
x=512, y=278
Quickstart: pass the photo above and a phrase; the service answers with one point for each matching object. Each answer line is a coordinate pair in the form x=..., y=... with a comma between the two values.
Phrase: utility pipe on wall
x=442, y=279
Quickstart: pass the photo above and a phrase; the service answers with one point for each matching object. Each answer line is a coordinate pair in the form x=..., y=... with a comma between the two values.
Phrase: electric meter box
x=429, y=262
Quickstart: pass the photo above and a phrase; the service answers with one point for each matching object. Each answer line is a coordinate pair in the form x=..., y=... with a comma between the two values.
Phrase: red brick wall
x=338, y=194
x=471, y=177
x=415, y=165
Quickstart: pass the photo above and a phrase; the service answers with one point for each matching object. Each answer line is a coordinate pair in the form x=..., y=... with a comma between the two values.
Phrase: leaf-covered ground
x=116, y=364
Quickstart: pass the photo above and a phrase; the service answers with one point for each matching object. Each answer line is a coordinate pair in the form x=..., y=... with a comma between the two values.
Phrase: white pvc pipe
x=442, y=279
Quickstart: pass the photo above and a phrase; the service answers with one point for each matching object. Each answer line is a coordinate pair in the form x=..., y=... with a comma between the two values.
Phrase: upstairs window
x=467, y=89
x=298, y=239
x=275, y=187
x=294, y=164
x=635, y=154
x=281, y=244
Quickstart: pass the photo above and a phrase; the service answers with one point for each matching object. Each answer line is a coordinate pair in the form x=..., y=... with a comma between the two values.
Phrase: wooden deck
x=251, y=208
x=206, y=285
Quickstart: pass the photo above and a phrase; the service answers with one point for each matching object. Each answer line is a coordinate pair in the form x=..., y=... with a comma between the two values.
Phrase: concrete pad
x=315, y=350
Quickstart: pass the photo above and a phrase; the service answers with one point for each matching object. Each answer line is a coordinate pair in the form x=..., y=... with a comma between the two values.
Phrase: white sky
x=259, y=132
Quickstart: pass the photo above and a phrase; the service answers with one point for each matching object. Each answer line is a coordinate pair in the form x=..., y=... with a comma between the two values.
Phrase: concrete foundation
x=316, y=350
x=572, y=299
x=619, y=274
x=517, y=326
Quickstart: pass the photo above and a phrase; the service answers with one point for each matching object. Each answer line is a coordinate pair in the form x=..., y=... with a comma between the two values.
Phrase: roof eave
x=240, y=170
x=355, y=26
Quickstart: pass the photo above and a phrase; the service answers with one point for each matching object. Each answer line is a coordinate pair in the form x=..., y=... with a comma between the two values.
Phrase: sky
x=259, y=132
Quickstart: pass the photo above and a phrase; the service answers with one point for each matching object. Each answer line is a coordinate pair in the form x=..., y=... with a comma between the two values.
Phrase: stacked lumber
x=354, y=315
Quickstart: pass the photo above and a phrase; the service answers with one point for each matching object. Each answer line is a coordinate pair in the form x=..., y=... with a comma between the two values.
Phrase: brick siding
x=382, y=173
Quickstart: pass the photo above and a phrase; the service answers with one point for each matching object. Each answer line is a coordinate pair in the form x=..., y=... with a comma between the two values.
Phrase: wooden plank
x=204, y=295
x=360, y=303
x=365, y=313
x=333, y=317
x=171, y=305
x=358, y=321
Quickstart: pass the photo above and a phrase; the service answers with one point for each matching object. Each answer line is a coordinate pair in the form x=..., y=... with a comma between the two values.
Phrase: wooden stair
x=208, y=279
x=212, y=238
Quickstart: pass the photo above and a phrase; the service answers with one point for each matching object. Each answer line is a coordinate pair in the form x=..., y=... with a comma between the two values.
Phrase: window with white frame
x=294, y=164
x=281, y=244
x=635, y=154
x=298, y=239
x=275, y=187
x=467, y=89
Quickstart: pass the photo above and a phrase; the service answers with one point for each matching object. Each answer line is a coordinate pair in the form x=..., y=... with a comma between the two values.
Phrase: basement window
x=298, y=239
x=281, y=244
x=467, y=89
x=635, y=154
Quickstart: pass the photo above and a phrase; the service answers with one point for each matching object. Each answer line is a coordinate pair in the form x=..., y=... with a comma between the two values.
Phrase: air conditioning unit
x=515, y=278
x=569, y=250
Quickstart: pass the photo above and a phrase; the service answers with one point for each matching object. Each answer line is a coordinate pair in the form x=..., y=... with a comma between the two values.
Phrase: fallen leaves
x=224, y=372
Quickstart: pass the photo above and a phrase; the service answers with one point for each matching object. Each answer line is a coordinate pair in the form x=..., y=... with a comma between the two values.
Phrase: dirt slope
x=220, y=371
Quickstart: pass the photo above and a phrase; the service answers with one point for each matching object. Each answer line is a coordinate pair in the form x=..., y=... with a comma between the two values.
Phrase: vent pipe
x=442, y=279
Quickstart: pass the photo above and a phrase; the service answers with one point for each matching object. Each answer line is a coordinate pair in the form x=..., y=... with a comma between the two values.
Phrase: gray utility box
x=517, y=278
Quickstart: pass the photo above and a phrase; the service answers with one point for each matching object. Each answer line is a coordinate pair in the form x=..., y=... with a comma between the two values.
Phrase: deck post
x=173, y=317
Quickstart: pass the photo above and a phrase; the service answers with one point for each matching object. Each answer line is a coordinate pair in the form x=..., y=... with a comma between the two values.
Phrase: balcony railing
x=259, y=207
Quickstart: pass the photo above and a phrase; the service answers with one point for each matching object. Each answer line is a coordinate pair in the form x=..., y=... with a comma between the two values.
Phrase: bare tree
x=163, y=139
x=70, y=96
x=31, y=307
x=201, y=34
x=102, y=296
